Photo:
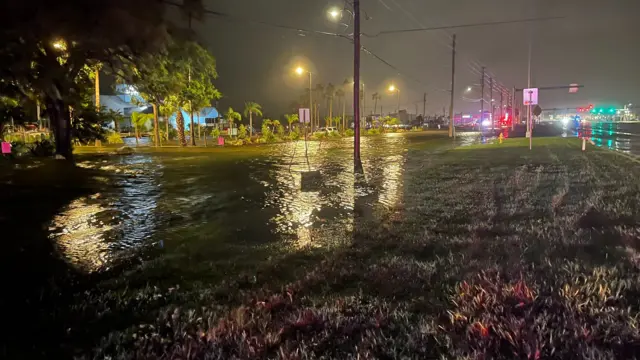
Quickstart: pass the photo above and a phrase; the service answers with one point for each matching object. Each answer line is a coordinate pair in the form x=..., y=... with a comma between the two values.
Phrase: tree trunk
x=97, y=83
x=180, y=125
x=250, y=124
x=166, y=124
x=205, y=131
x=156, y=126
x=60, y=122
x=137, y=134
x=192, y=130
x=344, y=120
x=331, y=110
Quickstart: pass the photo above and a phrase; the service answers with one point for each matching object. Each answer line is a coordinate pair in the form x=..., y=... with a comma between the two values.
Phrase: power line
x=387, y=32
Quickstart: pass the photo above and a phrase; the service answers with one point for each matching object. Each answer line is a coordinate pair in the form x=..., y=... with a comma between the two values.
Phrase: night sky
x=596, y=45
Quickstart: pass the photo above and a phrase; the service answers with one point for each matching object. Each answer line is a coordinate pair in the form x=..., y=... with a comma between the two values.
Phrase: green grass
x=493, y=252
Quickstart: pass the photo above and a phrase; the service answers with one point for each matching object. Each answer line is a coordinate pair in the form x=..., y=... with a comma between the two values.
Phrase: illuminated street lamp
x=469, y=89
x=300, y=70
x=334, y=14
x=392, y=88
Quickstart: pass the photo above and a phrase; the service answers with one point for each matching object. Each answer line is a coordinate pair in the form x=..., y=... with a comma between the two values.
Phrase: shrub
x=215, y=133
x=319, y=135
x=114, y=138
x=349, y=132
x=280, y=131
x=294, y=135
x=416, y=129
x=43, y=148
x=334, y=134
x=242, y=132
x=374, y=131
x=19, y=148
x=261, y=140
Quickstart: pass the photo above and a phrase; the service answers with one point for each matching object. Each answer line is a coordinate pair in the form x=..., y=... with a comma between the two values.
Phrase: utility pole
x=452, y=132
x=513, y=109
x=357, y=164
x=482, y=99
x=424, y=107
x=491, y=103
x=501, y=103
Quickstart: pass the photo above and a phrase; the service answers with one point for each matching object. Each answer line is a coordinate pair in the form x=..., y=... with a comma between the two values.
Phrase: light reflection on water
x=202, y=204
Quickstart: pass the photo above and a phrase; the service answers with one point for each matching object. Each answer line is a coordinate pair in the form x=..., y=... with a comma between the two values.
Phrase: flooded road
x=624, y=137
x=229, y=204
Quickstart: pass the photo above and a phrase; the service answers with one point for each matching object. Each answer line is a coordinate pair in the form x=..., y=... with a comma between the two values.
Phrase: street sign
x=303, y=115
x=573, y=89
x=537, y=110
x=530, y=96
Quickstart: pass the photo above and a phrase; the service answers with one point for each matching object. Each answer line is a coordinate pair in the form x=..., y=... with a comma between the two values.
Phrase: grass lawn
x=494, y=252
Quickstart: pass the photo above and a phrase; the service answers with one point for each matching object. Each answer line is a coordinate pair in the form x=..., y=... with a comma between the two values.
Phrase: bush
x=261, y=140
x=416, y=129
x=280, y=131
x=43, y=148
x=294, y=135
x=19, y=148
x=334, y=134
x=114, y=138
x=349, y=132
x=374, y=131
x=319, y=135
x=242, y=132
x=215, y=133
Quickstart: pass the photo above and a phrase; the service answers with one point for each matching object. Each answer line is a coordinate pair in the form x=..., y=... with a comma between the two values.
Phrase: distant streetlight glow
x=469, y=89
x=60, y=45
x=392, y=88
x=299, y=70
x=334, y=13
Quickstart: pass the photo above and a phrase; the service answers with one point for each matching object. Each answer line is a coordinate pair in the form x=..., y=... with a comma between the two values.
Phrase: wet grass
x=493, y=253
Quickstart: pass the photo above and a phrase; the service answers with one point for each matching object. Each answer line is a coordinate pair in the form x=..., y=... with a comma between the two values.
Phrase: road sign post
x=303, y=115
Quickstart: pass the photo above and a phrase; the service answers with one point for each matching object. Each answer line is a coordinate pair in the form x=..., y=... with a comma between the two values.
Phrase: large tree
x=48, y=46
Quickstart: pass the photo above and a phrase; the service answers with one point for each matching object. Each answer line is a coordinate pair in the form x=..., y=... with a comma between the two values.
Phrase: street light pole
x=398, y=108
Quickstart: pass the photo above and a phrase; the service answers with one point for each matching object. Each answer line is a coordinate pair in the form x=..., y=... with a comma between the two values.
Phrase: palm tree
x=231, y=116
x=291, y=118
x=319, y=92
x=251, y=108
x=375, y=97
x=139, y=120
x=340, y=95
x=330, y=92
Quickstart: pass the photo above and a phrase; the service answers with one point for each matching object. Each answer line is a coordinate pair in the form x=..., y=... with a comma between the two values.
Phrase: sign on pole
x=530, y=96
x=573, y=89
x=303, y=115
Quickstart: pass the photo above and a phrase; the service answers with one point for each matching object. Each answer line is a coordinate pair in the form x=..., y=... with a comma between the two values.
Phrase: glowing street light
x=469, y=89
x=299, y=70
x=334, y=14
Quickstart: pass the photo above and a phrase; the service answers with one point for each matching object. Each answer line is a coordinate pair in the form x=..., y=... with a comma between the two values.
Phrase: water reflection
x=624, y=137
x=204, y=205
x=91, y=232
